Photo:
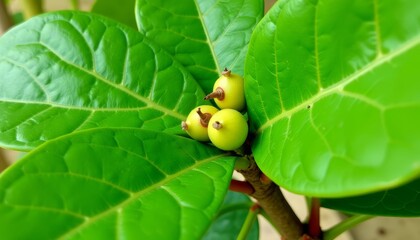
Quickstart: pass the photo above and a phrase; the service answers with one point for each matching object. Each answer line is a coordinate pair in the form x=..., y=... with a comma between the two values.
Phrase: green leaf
x=69, y=71
x=206, y=36
x=122, y=10
x=231, y=217
x=332, y=95
x=403, y=201
x=125, y=183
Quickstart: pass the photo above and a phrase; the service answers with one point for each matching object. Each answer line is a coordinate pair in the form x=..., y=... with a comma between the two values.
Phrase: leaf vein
x=52, y=104
x=127, y=91
x=337, y=87
x=124, y=69
x=377, y=28
x=46, y=209
x=317, y=66
x=210, y=45
x=136, y=195
x=40, y=85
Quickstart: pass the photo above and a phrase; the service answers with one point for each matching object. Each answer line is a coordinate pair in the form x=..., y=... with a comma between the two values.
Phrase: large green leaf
x=403, y=201
x=333, y=95
x=122, y=10
x=204, y=35
x=114, y=183
x=68, y=71
x=231, y=218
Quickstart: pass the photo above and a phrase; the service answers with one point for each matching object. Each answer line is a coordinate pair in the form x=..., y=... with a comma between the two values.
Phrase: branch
x=6, y=21
x=271, y=199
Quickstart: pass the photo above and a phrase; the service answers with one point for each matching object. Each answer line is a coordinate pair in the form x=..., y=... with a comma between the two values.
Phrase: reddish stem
x=241, y=186
x=314, y=226
x=255, y=207
x=264, y=179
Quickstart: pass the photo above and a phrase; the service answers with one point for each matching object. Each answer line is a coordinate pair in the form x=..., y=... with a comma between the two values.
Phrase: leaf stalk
x=314, y=226
x=271, y=199
x=249, y=221
x=241, y=186
x=345, y=225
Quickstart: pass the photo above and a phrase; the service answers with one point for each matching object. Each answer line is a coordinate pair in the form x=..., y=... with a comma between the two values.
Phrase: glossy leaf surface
x=231, y=217
x=205, y=36
x=122, y=10
x=126, y=183
x=332, y=95
x=68, y=71
x=403, y=201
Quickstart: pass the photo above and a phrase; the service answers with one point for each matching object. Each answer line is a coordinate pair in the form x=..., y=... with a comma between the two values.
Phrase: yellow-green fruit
x=228, y=91
x=197, y=122
x=228, y=129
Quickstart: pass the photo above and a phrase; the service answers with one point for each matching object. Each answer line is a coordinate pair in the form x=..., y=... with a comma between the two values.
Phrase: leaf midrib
x=122, y=88
x=119, y=87
x=137, y=195
x=90, y=109
x=210, y=44
x=342, y=83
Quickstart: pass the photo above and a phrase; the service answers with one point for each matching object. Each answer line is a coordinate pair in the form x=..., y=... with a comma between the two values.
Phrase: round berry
x=228, y=91
x=197, y=122
x=228, y=129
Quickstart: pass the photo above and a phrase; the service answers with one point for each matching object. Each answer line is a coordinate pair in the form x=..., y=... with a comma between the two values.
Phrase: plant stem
x=345, y=225
x=31, y=8
x=241, y=186
x=264, y=179
x=249, y=220
x=265, y=215
x=314, y=227
x=6, y=21
x=271, y=199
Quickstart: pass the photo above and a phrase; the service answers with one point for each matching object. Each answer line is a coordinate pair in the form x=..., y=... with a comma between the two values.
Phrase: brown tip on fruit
x=226, y=72
x=184, y=126
x=217, y=125
x=204, y=117
x=218, y=93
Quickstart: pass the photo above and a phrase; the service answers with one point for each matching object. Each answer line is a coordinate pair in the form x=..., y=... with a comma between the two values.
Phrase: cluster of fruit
x=227, y=128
